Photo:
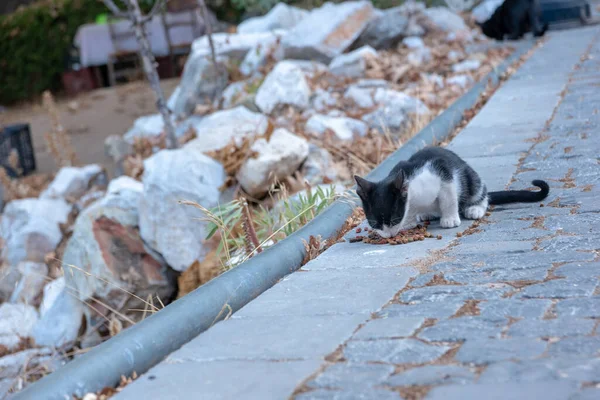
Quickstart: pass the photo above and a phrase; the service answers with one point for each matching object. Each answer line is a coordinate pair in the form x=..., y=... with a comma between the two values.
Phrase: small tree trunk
x=204, y=12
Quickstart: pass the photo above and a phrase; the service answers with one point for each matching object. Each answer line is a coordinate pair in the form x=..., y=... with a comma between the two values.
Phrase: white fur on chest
x=423, y=192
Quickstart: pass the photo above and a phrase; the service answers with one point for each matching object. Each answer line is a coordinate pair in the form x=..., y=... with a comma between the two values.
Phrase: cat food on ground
x=404, y=237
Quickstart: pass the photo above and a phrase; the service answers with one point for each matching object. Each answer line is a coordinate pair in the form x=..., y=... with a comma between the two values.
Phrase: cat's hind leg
x=448, y=200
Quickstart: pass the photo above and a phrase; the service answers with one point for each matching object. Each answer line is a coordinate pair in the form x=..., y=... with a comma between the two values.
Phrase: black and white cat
x=433, y=183
x=514, y=18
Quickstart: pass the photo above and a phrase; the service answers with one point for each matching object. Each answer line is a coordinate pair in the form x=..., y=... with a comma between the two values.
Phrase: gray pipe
x=145, y=344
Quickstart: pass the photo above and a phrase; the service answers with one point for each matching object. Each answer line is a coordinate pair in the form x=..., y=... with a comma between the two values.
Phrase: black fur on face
x=384, y=202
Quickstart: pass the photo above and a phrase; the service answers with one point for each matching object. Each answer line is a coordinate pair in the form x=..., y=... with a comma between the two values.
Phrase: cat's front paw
x=408, y=225
x=450, y=222
x=475, y=212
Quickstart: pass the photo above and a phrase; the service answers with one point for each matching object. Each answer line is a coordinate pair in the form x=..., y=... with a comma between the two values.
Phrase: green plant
x=269, y=226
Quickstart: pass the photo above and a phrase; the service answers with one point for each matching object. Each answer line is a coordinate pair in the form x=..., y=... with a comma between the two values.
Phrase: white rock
x=30, y=228
x=438, y=80
x=201, y=83
x=218, y=129
x=446, y=20
x=239, y=92
x=285, y=85
x=400, y=101
x=461, y=80
x=170, y=228
x=343, y=128
x=276, y=160
x=51, y=292
x=362, y=92
x=413, y=42
x=419, y=56
x=318, y=165
x=11, y=366
x=146, y=126
x=261, y=53
x=234, y=46
x=392, y=111
x=353, y=64
x=33, y=278
x=385, y=30
x=60, y=324
x=454, y=55
x=310, y=68
x=123, y=183
x=328, y=30
x=16, y=322
x=322, y=100
x=281, y=16
x=467, y=65
x=485, y=9
x=72, y=181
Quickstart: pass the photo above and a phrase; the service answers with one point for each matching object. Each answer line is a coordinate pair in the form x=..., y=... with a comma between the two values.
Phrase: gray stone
x=485, y=351
x=578, y=271
x=393, y=108
x=147, y=126
x=584, y=346
x=460, y=80
x=30, y=228
x=559, y=289
x=500, y=310
x=322, y=100
x=263, y=52
x=394, y=351
x=277, y=159
x=117, y=149
x=582, y=307
x=201, y=83
x=346, y=375
x=542, y=390
x=419, y=56
x=51, y=292
x=286, y=84
x=496, y=248
x=327, y=31
x=360, y=394
x=446, y=20
x=263, y=339
x=72, y=182
x=353, y=64
x=16, y=321
x=229, y=46
x=413, y=42
x=170, y=228
x=282, y=16
x=384, y=31
x=587, y=394
x=30, y=286
x=344, y=128
x=386, y=328
x=219, y=129
x=457, y=292
x=566, y=243
x=432, y=375
x=106, y=258
x=559, y=327
x=213, y=380
x=238, y=93
x=329, y=292
x=59, y=325
x=438, y=310
x=318, y=166
x=13, y=365
x=463, y=328
x=543, y=370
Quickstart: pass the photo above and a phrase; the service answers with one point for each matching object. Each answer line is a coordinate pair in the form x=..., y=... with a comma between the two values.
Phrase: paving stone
x=545, y=390
x=485, y=351
x=346, y=376
x=559, y=289
x=214, y=380
x=579, y=271
x=559, y=327
x=362, y=394
x=499, y=310
x=432, y=375
x=509, y=247
x=422, y=279
x=543, y=370
x=566, y=243
x=382, y=328
x=437, y=310
x=270, y=338
x=330, y=292
x=581, y=345
x=394, y=351
x=580, y=307
x=476, y=276
x=587, y=394
x=455, y=292
x=523, y=234
x=463, y=328
x=578, y=224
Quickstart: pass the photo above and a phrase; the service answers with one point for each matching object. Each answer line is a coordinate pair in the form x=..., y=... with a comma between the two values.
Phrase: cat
x=514, y=18
x=433, y=183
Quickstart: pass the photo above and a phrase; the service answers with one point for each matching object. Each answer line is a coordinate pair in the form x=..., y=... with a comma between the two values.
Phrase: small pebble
x=541, y=204
x=439, y=237
x=459, y=234
x=358, y=230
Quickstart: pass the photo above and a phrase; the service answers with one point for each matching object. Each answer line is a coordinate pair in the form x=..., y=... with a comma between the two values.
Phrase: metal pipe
x=145, y=344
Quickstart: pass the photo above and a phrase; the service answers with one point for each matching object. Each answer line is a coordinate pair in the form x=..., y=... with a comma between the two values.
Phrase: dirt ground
x=89, y=118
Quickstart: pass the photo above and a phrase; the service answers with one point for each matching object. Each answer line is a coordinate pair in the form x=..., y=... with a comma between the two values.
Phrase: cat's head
x=384, y=202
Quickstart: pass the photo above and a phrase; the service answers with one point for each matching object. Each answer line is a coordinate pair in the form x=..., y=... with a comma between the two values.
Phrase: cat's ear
x=364, y=186
x=399, y=181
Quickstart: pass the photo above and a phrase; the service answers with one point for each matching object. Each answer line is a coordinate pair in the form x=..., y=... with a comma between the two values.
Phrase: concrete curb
x=147, y=343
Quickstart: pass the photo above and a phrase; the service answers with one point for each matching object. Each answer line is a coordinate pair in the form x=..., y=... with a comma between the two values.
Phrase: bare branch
x=207, y=24
x=114, y=9
x=156, y=8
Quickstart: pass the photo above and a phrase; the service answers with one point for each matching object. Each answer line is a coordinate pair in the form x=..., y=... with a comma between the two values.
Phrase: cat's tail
x=520, y=196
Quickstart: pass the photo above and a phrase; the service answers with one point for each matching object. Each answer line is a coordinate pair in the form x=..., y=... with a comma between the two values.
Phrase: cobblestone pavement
x=510, y=310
